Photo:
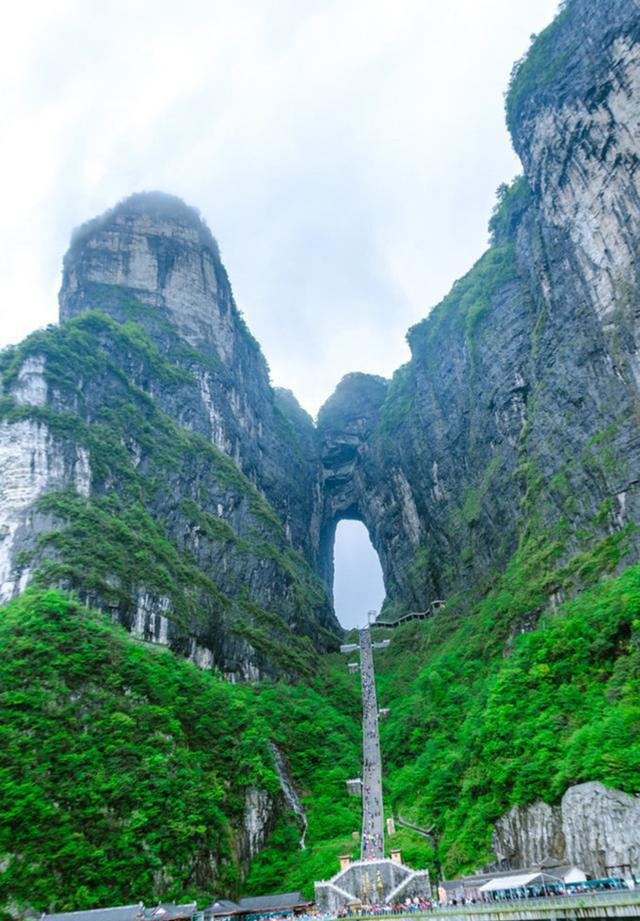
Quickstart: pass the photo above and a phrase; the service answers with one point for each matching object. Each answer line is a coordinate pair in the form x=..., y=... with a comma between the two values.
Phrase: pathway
x=372, y=811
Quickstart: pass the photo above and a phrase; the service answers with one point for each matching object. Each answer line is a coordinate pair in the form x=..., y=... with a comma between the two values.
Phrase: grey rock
x=524, y=837
x=594, y=827
x=259, y=815
x=601, y=828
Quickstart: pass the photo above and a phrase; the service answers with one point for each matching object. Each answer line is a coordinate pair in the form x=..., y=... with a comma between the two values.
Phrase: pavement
x=372, y=806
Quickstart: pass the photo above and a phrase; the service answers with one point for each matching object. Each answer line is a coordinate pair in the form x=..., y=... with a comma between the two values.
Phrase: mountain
x=147, y=462
x=148, y=468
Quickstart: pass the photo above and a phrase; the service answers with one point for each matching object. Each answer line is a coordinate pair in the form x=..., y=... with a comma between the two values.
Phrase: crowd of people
x=408, y=907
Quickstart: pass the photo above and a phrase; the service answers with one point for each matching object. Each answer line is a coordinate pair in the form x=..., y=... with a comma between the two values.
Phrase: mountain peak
x=155, y=251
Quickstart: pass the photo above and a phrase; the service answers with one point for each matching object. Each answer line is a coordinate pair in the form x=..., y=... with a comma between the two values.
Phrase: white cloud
x=345, y=154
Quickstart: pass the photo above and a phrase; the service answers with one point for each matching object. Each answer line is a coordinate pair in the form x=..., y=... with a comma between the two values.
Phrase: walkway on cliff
x=372, y=811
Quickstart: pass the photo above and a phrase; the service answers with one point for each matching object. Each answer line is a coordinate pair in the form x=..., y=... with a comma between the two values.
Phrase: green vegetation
x=112, y=548
x=398, y=403
x=484, y=716
x=117, y=759
x=319, y=728
x=269, y=635
x=474, y=496
x=468, y=302
x=82, y=348
x=129, y=535
x=459, y=315
x=356, y=395
x=123, y=769
x=92, y=350
x=115, y=763
x=541, y=64
x=512, y=199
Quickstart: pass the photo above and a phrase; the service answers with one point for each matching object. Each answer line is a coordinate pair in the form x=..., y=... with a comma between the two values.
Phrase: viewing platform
x=384, y=881
x=349, y=647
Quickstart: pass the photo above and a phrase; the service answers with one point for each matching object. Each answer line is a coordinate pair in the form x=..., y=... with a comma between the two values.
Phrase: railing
x=578, y=900
x=593, y=899
x=412, y=615
x=425, y=832
x=391, y=624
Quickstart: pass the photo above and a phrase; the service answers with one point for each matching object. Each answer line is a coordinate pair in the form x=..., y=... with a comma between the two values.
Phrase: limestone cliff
x=146, y=461
x=520, y=404
x=517, y=414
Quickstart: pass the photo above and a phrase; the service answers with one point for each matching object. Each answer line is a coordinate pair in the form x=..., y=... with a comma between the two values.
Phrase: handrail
x=425, y=832
x=595, y=899
x=412, y=615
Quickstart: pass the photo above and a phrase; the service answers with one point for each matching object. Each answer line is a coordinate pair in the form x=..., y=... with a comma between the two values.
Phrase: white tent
x=575, y=875
x=520, y=881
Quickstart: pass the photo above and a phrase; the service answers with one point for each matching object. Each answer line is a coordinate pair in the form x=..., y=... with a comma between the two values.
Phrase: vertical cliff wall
x=147, y=462
x=518, y=412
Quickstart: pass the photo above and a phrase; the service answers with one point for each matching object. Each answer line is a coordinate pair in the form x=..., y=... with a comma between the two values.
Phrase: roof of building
x=169, y=912
x=517, y=881
x=272, y=902
x=223, y=906
x=554, y=873
x=119, y=913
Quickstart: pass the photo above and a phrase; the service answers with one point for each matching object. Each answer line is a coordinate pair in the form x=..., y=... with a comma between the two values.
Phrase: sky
x=357, y=585
x=345, y=154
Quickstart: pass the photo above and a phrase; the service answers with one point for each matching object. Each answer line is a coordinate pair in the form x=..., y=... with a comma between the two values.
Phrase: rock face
x=152, y=259
x=521, y=399
x=260, y=812
x=147, y=462
x=33, y=462
x=345, y=425
x=525, y=837
x=594, y=827
x=601, y=828
x=158, y=252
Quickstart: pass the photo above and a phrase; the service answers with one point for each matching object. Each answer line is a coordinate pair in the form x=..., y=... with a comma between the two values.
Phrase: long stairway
x=373, y=879
x=372, y=809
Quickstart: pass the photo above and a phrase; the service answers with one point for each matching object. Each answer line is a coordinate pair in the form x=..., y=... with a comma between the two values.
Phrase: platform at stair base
x=371, y=882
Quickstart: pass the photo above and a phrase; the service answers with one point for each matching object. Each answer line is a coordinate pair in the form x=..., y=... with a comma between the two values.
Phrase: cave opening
x=358, y=585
